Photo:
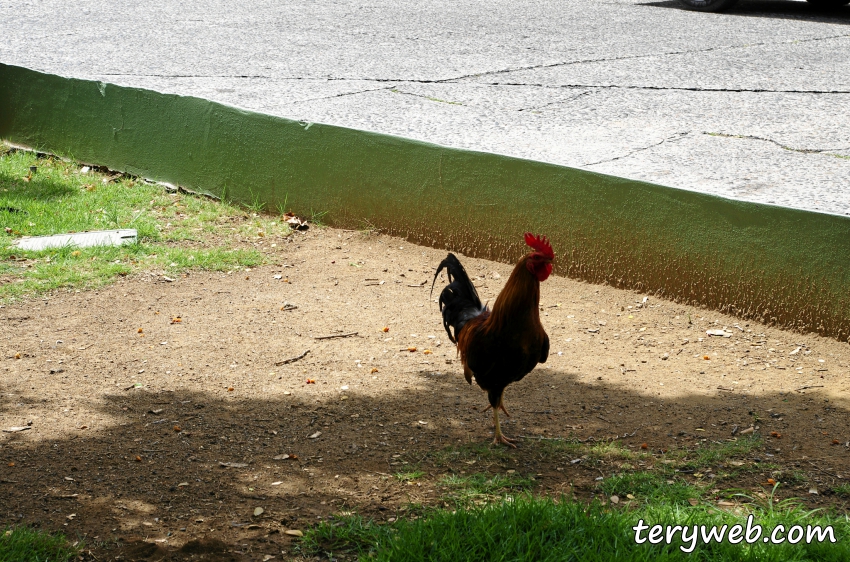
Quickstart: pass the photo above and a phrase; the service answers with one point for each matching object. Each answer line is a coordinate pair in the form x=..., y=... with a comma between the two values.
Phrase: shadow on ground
x=776, y=9
x=170, y=467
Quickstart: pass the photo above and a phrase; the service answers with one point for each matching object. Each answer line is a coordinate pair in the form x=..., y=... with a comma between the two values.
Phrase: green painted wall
x=775, y=264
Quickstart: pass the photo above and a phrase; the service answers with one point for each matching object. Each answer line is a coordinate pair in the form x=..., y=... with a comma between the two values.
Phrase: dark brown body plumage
x=501, y=346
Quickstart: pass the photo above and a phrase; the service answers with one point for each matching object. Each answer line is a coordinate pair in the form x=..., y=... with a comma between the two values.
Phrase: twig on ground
x=834, y=475
x=335, y=336
x=540, y=438
x=808, y=387
x=292, y=359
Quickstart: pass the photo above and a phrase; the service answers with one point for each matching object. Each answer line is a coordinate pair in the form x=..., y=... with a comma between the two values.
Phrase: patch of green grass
x=650, y=487
x=842, y=490
x=611, y=451
x=469, y=454
x=482, y=487
x=714, y=454
x=554, y=447
x=318, y=218
x=256, y=205
x=176, y=231
x=350, y=533
x=22, y=544
x=546, y=530
x=409, y=476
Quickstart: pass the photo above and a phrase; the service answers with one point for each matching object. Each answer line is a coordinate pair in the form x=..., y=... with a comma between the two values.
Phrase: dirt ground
x=159, y=415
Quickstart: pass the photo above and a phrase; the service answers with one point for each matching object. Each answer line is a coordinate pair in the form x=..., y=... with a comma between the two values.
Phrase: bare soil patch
x=163, y=414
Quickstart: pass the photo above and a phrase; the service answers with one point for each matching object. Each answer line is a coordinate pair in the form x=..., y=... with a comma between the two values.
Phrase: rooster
x=502, y=345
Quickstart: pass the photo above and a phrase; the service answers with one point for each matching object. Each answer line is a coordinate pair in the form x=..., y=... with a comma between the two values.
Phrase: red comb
x=541, y=244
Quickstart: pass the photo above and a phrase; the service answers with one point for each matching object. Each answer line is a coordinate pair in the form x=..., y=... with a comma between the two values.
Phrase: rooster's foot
x=502, y=440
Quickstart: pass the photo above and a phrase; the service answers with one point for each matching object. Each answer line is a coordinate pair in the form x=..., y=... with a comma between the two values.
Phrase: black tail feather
x=459, y=301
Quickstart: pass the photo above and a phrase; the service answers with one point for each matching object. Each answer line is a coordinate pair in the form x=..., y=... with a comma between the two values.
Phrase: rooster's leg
x=500, y=439
x=501, y=407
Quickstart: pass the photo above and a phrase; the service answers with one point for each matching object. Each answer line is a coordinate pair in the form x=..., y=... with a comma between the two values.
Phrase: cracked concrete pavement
x=751, y=104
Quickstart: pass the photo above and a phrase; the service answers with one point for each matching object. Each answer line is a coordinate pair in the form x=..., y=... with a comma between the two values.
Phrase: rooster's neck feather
x=519, y=297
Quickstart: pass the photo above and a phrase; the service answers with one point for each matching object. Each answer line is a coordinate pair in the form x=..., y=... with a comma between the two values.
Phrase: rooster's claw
x=502, y=440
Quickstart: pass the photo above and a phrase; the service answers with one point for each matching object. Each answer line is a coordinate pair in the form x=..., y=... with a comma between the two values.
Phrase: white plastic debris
x=79, y=239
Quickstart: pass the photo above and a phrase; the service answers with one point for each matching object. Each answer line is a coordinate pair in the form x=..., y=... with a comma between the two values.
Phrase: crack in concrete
x=677, y=136
x=665, y=88
x=342, y=95
x=250, y=76
x=534, y=108
x=429, y=98
x=826, y=151
x=530, y=67
x=573, y=98
x=649, y=55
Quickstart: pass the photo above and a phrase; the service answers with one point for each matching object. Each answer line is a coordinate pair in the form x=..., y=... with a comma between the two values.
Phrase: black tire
x=828, y=3
x=712, y=5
